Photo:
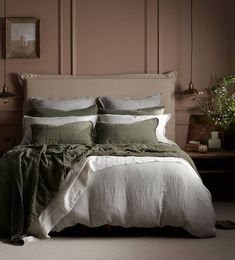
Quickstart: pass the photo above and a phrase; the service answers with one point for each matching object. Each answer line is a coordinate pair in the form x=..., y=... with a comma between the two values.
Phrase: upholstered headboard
x=134, y=85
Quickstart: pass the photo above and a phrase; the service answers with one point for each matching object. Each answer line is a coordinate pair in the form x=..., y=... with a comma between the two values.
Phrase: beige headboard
x=135, y=85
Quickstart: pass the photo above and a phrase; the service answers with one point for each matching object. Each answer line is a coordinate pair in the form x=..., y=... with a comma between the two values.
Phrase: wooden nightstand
x=217, y=170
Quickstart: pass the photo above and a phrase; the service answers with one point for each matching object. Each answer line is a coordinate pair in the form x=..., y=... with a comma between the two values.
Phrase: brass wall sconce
x=191, y=91
x=5, y=94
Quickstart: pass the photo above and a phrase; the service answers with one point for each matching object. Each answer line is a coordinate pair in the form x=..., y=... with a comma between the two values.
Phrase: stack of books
x=195, y=146
x=192, y=146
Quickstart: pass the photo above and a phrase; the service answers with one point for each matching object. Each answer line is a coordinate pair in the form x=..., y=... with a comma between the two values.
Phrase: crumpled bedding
x=50, y=187
x=130, y=192
x=30, y=176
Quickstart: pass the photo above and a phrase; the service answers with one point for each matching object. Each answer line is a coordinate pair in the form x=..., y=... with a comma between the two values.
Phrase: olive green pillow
x=49, y=112
x=72, y=133
x=139, y=132
x=158, y=110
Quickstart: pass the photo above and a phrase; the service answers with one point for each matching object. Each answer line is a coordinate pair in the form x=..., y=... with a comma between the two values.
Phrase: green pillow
x=143, y=132
x=73, y=133
x=49, y=112
x=158, y=110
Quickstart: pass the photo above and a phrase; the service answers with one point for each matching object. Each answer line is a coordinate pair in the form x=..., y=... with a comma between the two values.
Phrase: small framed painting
x=22, y=37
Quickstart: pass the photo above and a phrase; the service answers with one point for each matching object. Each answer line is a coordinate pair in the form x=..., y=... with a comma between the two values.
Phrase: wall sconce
x=191, y=91
x=5, y=95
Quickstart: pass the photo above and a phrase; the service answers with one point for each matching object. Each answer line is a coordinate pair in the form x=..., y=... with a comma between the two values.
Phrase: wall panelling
x=89, y=37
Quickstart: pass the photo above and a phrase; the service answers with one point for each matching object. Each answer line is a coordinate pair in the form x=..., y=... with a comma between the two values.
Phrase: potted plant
x=219, y=106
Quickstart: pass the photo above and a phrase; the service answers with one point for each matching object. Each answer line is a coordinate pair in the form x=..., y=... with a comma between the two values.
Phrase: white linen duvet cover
x=130, y=192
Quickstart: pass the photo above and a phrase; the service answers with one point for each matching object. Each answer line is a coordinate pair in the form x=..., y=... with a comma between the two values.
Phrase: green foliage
x=219, y=103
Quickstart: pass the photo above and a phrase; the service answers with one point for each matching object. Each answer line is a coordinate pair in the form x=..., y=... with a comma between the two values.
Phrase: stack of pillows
x=89, y=120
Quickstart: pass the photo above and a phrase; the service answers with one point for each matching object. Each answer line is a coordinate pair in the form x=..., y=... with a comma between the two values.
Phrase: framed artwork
x=22, y=37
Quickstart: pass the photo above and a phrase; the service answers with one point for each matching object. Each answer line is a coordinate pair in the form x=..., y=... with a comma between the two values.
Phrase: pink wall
x=88, y=37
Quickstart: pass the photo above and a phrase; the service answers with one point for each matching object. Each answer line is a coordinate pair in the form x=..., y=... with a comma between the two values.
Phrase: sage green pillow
x=49, y=112
x=158, y=110
x=143, y=132
x=73, y=133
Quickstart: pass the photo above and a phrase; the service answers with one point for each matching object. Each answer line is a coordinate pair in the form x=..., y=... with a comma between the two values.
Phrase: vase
x=214, y=141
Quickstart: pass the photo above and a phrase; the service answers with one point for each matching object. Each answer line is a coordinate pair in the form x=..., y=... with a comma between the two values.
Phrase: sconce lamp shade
x=192, y=92
x=5, y=94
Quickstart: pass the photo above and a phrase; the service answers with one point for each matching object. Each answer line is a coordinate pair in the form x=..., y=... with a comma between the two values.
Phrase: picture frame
x=22, y=37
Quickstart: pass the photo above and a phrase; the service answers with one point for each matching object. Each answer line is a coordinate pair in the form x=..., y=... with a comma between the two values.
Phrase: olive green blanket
x=31, y=175
x=29, y=178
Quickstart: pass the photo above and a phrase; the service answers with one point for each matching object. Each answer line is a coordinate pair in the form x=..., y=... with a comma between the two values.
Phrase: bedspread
x=32, y=175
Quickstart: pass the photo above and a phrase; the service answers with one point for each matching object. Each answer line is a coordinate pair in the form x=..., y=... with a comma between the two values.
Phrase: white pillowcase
x=126, y=119
x=55, y=121
x=64, y=104
x=130, y=103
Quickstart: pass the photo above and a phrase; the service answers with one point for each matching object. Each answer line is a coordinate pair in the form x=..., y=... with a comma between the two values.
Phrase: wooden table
x=214, y=161
x=217, y=170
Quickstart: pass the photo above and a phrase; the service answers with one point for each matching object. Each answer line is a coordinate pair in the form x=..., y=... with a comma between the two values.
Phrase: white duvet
x=130, y=192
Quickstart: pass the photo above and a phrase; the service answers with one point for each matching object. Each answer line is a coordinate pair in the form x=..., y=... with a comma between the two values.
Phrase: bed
x=100, y=151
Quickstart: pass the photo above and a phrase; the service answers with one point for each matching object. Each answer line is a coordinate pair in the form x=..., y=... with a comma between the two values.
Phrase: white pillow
x=126, y=119
x=64, y=104
x=55, y=121
x=130, y=103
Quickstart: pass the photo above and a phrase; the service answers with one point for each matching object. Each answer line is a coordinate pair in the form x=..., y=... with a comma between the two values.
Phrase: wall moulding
x=186, y=123
x=61, y=35
x=148, y=22
x=73, y=37
x=64, y=37
x=151, y=36
x=186, y=109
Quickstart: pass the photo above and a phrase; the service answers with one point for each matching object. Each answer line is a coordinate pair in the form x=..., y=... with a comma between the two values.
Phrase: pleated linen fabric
x=138, y=132
x=73, y=133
